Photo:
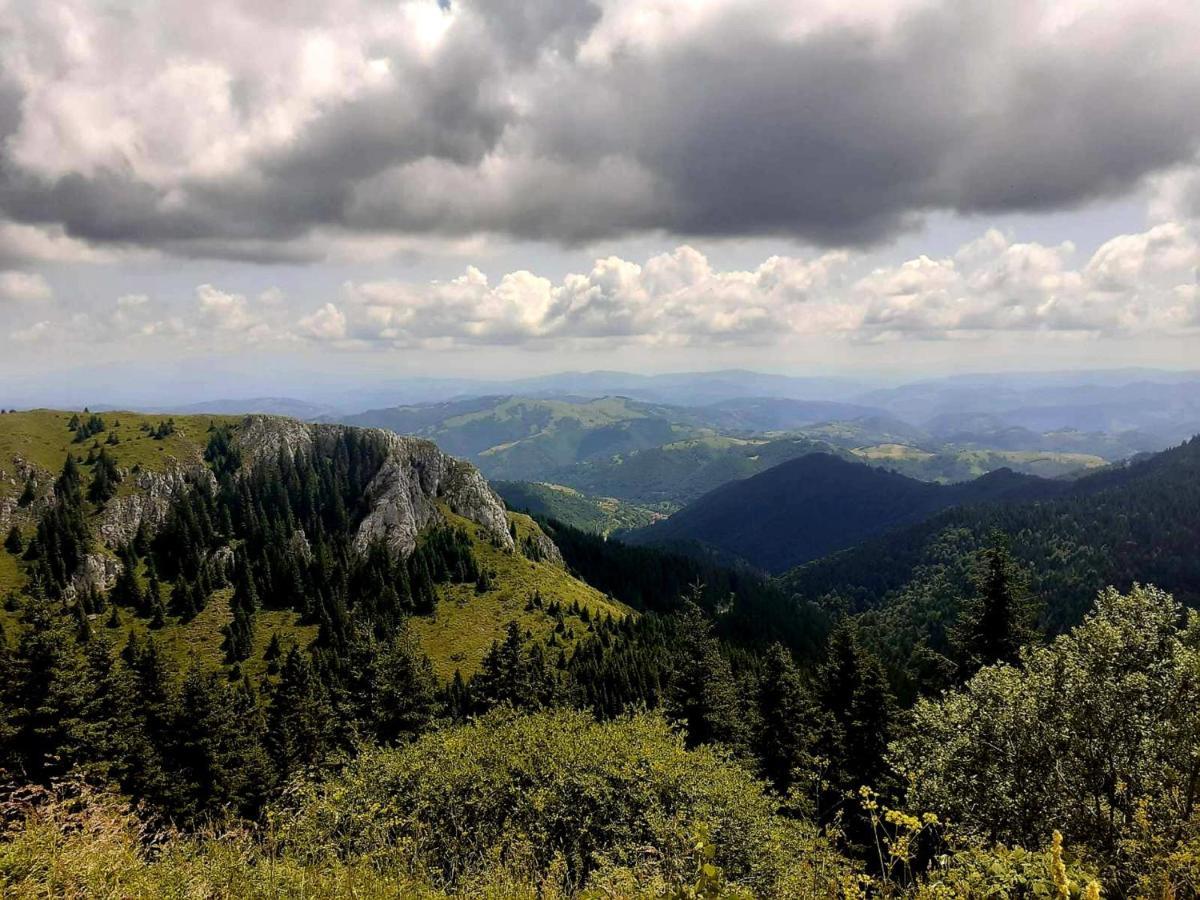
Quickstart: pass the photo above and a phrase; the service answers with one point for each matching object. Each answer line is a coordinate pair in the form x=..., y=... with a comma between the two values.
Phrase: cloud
x=38, y=331
x=224, y=311
x=292, y=131
x=1136, y=283
x=24, y=287
x=327, y=324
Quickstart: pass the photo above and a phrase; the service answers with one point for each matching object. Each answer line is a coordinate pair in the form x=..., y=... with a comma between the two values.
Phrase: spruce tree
x=999, y=620
x=789, y=720
x=703, y=694
x=299, y=718
x=854, y=692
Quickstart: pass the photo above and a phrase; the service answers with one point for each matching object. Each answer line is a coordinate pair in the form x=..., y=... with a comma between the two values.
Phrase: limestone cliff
x=414, y=477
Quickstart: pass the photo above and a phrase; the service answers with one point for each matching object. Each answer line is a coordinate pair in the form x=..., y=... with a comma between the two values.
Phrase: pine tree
x=14, y=543
x=50, y=693
x=127, y=591
x=999, y=620
x=29, y=494
x=790, y=722
x=702, y=692
x=854, y=691
x=514, y=674
x=299, y=719
x=403, y=690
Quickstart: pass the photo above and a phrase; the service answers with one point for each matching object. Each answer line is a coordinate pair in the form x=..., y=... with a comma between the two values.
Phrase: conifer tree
x=999, y=620
x=854, y=692
x=703, y=693
x=299, y=718
x=127, y=591
x=789, y=720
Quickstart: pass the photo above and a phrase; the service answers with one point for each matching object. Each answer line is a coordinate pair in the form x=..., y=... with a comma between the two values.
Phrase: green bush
x=557, y=791
x=1096, y=735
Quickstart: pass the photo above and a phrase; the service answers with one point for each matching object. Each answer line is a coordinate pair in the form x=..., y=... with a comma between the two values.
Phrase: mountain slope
x=269, y=526
x=598, y=515
x=815, y=505
x=1134, y=522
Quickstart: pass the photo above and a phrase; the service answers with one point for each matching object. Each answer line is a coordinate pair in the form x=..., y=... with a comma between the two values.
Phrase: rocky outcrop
x=98, y=572
x=15, y=476
x=263, y=437
x=152, y=495
x=403, y=497
x=404, y=493
x=539, y=547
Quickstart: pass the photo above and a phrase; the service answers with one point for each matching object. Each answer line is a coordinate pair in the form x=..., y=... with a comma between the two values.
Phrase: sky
x=501, y=188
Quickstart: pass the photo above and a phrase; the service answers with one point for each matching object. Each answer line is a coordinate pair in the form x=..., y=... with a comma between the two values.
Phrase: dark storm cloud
x=545, y=120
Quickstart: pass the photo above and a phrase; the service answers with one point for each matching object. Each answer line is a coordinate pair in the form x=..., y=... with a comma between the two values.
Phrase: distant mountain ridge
x=818, y=504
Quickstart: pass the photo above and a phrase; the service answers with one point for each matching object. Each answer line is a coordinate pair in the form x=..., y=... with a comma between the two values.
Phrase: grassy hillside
x=42, y=439
x=34, y=445
x=948, y=465
x=461, y=630
x=456, y=636
x=599, y=515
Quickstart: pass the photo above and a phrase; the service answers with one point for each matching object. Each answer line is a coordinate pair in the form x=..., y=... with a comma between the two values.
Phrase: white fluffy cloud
x=1136, y=283
x=225, y=311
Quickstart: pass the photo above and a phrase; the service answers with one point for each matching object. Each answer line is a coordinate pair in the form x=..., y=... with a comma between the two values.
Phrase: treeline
x=195, y=744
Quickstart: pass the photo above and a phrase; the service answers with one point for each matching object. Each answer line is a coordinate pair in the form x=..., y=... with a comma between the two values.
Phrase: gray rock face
x=15, y=476
x=404, y=493
x=97, y=571
x=413, y=477
x=546, y=550
x=154, y=492
x=263, y=437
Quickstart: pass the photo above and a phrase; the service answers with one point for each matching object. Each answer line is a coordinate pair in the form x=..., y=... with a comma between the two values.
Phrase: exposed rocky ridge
x=403, y=495
x=149, y=502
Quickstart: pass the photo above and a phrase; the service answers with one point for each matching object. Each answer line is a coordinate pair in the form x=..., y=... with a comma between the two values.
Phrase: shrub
x=557, y=791
x=1096, y=735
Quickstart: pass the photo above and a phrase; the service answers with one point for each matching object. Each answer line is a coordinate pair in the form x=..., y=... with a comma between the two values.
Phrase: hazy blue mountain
x=765, y=414
x=1165, y=407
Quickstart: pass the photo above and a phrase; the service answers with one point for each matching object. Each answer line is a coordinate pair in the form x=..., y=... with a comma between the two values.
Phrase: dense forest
x=955, y=722
x=818, y=504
